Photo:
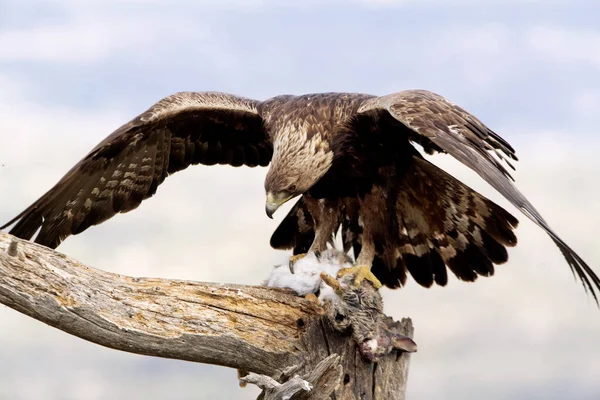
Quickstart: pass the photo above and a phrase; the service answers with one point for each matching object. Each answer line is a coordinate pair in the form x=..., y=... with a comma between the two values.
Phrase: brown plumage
x=349, y=156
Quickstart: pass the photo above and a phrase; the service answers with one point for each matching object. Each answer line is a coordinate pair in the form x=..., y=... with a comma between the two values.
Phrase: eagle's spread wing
x=443, y=222
x=126, y=168
x=445, y=126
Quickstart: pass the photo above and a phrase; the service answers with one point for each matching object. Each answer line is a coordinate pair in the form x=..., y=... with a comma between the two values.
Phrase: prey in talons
x=294, y=259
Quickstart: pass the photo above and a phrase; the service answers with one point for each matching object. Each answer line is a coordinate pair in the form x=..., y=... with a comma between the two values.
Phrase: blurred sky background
x=72, y=71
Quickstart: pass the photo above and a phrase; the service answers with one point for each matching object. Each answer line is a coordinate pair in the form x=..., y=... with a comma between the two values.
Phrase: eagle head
x=298, y=163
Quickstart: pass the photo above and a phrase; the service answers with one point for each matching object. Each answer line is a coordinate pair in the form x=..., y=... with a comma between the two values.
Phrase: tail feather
x=448, y=223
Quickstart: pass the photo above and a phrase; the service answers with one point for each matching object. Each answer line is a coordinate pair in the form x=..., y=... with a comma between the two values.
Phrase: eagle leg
x=361, y=273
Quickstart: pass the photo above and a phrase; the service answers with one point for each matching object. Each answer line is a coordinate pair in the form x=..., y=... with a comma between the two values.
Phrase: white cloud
x=79, y=42
x=484, y=55
x=456, y=3
x=488, y=55
x=93, y=34
x=586, y=103
x=565, y=45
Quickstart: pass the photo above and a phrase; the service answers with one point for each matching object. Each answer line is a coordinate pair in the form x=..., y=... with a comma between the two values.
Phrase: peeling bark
x=257, y=329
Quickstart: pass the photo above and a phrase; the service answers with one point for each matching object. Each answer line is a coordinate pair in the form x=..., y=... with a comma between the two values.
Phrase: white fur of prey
x=306, y=277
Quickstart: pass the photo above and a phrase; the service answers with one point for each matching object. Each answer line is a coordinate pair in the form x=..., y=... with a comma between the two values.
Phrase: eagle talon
x=312, y=297
x=361, y=273
x=295, y=258
x=331, y=282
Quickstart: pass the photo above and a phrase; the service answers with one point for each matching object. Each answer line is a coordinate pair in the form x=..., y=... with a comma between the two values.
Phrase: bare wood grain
x=251, y=328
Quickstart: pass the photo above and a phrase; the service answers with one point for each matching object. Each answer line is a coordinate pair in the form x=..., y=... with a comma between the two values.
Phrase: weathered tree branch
x=256, y=329
x=236, y=326
x=318, y=384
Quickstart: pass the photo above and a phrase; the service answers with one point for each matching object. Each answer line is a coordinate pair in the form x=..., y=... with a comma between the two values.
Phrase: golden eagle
x=350, y=157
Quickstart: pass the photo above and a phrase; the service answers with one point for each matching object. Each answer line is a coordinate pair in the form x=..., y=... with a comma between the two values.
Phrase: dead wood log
x=265, y=331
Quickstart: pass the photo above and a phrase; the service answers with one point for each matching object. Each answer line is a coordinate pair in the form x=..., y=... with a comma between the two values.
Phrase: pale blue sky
x=72, y=71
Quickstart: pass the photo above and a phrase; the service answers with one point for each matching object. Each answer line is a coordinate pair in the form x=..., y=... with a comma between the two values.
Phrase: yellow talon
x=312, y=297
x=294, y=259
x=297, y=257
x=332, y=282
x=361, y=273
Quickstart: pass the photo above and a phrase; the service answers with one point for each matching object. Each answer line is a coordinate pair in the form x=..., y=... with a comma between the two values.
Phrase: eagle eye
x=292, y=188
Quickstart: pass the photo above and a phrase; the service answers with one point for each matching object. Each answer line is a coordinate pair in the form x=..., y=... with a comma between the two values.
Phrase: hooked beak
x=274, y=201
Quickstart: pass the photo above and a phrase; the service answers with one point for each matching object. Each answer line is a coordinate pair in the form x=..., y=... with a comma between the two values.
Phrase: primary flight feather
x=350, y=157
